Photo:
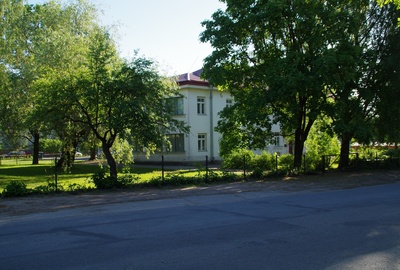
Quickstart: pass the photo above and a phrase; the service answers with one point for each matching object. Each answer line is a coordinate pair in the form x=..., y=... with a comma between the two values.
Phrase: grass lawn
x=44, y=173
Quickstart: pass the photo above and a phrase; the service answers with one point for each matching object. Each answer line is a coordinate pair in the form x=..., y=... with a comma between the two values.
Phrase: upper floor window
x=201, y=105
x=229, y=102
x=176, y=105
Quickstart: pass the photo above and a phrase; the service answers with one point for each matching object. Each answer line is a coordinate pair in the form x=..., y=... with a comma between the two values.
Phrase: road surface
x=341, y=229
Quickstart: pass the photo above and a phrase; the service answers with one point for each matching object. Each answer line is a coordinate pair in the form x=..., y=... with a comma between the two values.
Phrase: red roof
x=192, y=79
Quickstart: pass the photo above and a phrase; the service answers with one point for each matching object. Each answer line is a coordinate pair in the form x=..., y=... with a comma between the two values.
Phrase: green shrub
x=265, y=161
x=103, y=181
x=313, y=162
x=15, y=189
x=127, y=179
x=237, y=159
x=49, y=188
x=223, y=177
x=393, y=153
x=257, y=173
x=74, y=187
x=285, y=162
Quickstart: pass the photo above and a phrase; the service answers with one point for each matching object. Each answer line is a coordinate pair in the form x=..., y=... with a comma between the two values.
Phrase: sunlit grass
x=45, y=173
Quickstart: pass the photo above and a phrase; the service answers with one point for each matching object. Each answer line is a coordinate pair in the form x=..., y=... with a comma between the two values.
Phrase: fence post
x=162, y=170
x=323, y=164
x=305, y=168
x=56, y=174
x=244, y=167
x=206, y=169
x=276, y=163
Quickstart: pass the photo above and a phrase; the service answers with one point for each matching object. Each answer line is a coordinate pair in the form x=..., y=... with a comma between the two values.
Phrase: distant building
x=199, y=108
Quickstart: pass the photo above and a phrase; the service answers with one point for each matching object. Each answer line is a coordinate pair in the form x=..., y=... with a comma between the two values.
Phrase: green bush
x=74, y=187
x=237, y=159
x=49, y=188
x=15, y=189
x=223, y=177
x=392, y=153
x=257, y=173
x=285, y=162
x=103, y=181
x=313, y=162
x=265, y=161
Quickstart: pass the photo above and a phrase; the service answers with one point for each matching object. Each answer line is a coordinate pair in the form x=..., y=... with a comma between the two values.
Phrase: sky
x=165, y=30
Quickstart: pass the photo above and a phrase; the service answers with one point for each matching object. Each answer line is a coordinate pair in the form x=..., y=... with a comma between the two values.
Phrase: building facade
x=199, y=107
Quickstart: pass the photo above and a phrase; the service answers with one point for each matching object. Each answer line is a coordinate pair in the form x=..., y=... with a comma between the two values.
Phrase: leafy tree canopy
x=271, y=55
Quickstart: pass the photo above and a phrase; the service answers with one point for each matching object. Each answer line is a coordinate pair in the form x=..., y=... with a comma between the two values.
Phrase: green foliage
x=260, y=165
x=39, y=42
x=369, y=152
x=257, y=173
x=178, y=180
x=15, y=189
x=238, y=159
x=273, y=57
x=321, y=141
x=265, y=161
x=123, y=152
x=286, y=162
x=50, y=187
x=50, y=145
x=392, y=153
x=103, y=181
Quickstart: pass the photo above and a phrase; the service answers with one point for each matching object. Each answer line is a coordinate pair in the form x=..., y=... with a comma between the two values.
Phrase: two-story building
x=199, y=107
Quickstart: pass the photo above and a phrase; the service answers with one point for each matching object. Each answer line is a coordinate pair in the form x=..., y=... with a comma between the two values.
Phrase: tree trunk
x=345, y=151
x=298, y=149
x=65, y=160
x=35, y=152
x=110, y=160
x=92, y=153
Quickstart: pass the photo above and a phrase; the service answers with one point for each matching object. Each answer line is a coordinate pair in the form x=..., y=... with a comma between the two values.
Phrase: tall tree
x=39, y=38
x=116, y=99
x=274, y=50
x=353, y=83
x=388, y=107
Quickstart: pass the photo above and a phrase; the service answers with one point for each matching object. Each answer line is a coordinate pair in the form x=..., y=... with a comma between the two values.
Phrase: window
x=277, y=140
x=175, y=105
x=201, y=105
x=202, y=142
x=177, y=143
x=229, y=102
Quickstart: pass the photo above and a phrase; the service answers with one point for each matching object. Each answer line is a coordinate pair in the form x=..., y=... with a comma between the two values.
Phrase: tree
x=116, y=99
x=11, y=101
x=388, y=106
x=275, y=51
x=243, y=126
x=38, y=39
x=354, y=67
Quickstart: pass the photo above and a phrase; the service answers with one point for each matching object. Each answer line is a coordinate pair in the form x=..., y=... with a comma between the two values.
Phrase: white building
x=199, y=108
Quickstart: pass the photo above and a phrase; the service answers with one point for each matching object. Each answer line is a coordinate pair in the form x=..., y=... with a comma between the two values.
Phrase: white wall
x=204, y=124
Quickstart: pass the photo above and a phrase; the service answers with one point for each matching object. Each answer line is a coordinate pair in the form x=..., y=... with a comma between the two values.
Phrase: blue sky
x=165, y=30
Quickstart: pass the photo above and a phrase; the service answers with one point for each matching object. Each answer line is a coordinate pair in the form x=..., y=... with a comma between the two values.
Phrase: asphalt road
x=342, y=229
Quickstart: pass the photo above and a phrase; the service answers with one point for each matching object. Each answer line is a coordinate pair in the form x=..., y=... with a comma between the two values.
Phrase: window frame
x=177, y=104
x=202, y=142
x=177, y=142
x=201, y=105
